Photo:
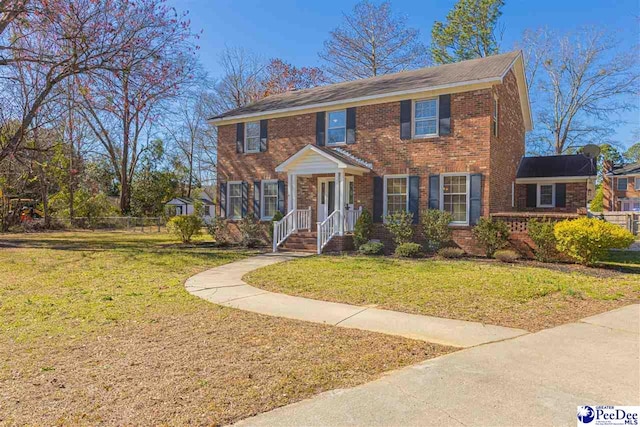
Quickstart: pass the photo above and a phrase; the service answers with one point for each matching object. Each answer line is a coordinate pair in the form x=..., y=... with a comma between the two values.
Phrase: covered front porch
x=321, y=195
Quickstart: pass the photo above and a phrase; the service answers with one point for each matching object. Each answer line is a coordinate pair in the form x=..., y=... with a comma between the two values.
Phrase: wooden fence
x=628, y=220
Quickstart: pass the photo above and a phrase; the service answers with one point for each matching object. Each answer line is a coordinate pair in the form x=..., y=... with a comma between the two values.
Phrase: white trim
x=441, y=201
x=283, y=167
x=326, y=180
x=326, y=128
x=246, y=136
x=626, y=187
x=513, y=194
x=413, y=118
x=495, y=117
x=262, y=183
x=357, y=99
x=228, y=207
x=556, y=179
x=553, y=195
x=636, y=183
x=384, y=192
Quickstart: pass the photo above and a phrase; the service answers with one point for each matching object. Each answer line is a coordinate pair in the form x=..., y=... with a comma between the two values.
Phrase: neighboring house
x=622, y=188
x=555, y=183
x=449, y=137
x=185, y=206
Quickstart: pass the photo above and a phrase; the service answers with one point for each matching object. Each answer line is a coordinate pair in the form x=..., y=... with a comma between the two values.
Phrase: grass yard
x=96, y=328
x=527, y=295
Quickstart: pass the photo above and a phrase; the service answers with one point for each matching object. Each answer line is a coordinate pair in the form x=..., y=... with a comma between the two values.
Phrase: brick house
x=622, y=188
x=448, y=137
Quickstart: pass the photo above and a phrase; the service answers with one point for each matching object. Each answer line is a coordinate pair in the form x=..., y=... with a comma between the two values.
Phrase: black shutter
x=378, y=198
x=245, y=198
x=264, y=137
x=256, y=198
x=532, y=195
x=351, y=125
x=475, y=198
x=281, y=197
x=405, y=119
x=561, y=195
x=414, y=197
x=223, y=199
x=320, y=125
x=240, y=138
x=444, y=108
x=434, y=191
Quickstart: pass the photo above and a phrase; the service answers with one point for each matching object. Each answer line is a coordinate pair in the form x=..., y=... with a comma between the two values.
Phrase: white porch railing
x=351, y=217
x=327, y=229
x=298, y=219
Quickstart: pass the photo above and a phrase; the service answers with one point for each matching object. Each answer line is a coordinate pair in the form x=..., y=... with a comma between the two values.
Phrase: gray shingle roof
x=556, y=166
x=460, y=72
x=629, y=169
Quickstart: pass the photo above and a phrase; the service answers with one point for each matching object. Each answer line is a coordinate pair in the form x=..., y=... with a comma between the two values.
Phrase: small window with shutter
x=546, y=195
x=425, y=118
x=252, y=137
x=234, y=203
x=337, y=127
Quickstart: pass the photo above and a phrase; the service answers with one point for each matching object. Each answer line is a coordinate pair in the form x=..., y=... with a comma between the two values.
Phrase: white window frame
x=636, y=182
x=495, y=117
x=206, y=210
x=626, y=180
x=468, y=181
x=229, y=184
x=326, y=128
x=384, y=193
x=413, y=118
x=262, y=204
x=553, y=195
x=246, y=137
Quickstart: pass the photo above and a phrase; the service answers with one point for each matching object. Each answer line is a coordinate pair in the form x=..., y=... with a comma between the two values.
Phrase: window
x=455, y=197
x=252, y=137
x=351, y=193
x=337, y=127
x=637, y=182
x=207, y=210
x=425, y=119
x=234, y=208
x=494, y=122
x=396, y=190
x=546, y=195
x=622, y=184
x=269, y=202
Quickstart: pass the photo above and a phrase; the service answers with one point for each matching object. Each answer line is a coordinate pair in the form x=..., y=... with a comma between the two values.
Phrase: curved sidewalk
x=223, y=285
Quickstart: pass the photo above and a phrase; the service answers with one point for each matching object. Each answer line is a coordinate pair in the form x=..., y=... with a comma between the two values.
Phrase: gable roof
x=488, y=70
x=629, y=169
x=339, y=158
x=571, y=165
x=189, y=201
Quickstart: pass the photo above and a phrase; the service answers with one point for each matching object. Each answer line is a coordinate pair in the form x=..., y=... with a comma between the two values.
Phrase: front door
x=327, y=196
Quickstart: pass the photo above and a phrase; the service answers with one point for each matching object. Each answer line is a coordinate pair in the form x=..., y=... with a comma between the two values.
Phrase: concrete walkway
x=223, y=285
x=536, y=379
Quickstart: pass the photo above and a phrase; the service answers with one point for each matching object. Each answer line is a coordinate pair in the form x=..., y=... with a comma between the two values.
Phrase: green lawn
x=525, y=295
x=97, y=328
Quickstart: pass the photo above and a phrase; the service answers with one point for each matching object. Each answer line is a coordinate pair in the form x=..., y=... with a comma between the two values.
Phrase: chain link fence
x=127, y=223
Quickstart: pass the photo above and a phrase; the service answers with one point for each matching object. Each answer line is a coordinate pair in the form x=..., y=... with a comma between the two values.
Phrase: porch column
x=339, y=186
x=289, y=193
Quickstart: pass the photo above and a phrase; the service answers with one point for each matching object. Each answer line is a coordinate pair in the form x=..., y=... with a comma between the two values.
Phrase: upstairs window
x=546, y=195
x=455, y=197
x=337, y=127
x=494, y=122
x=252, y=137
x=269, y=201
x=425, y=118
x=396, y=190
x=622, y=184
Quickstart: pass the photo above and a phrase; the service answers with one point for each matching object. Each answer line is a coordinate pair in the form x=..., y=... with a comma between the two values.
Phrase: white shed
x=185, y=206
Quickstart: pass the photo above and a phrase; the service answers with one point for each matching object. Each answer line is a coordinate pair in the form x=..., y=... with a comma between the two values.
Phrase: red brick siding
x=576, y=199
x=612, y=195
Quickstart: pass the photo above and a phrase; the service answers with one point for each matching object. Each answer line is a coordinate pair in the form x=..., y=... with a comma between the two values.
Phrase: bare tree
x=372, y=41
x=9, y=11
x=242, y=74
x=582, y=80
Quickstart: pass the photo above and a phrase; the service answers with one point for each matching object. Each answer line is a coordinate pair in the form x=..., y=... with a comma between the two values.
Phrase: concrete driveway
x=535, y=379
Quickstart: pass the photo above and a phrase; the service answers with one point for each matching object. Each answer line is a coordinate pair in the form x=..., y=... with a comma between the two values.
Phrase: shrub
x=371, y=248
x=408, y=250
x=541, y=232
x=251, y=231
x=185, y=227
x=491, y=234
x=218, y=229
x=506, y=255
x=451, y=253
x=588, y=240
x=399, y=224
x=363, y=229
x=435, y=227
x=276, y=217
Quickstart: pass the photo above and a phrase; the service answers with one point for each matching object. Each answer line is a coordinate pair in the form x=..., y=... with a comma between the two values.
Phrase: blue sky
x=296, y=30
